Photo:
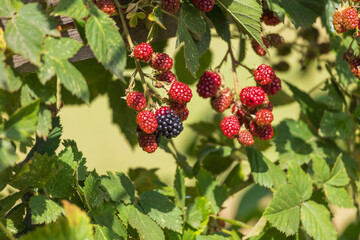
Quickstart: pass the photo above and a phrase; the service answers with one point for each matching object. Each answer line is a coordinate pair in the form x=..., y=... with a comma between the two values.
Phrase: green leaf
x=7, y=9
x=161, y=210
x=302, y=13
x=338, y=196
x=8, y=155
x=44, y=122
x=25, y=32
x=283, y=211
x=105, y=215
x=72, y=8
x=220, y=22
x=5, y=176
x=146, y=227
x=119, y=187
x=92, y=191
x=294, y=142
x=210, y=237
x=22, y=124
x=265, y=172
x=8, y=202
x=203, y=42
x=63, y=182
x=301, y=180
x=104, y=233
x=156, y=16
x=106, y=42
x=192, y=18
x=332, y=98
x=217, y=151
x=197, y=214
x=75, y=226
x=246, y=14
x=316, y=221
x=8, y=81
x=337, y=124
x=44, y=210
x=179, y=187
x=321, y=169
x=37, y=172
x=338, y=176
x=210, y=188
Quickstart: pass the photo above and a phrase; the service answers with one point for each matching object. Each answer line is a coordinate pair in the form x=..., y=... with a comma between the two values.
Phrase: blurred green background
x=106, y=149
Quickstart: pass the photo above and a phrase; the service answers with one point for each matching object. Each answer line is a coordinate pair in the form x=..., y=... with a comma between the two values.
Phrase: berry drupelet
x=169, y=123
x=170, y=6
x=269, y=18
x=264, y=117
x=147, y=142
x=272, y=88
x=259, y=50
x=245, y=138
x=223, y=101
x=167, y=77
x=204, y=5
x=264, y=74
x=107, y=6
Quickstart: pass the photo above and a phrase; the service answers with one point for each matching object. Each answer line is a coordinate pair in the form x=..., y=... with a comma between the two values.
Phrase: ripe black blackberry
x=169, y=123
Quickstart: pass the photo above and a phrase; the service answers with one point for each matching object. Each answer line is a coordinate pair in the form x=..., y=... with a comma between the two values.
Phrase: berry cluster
x=270, y=40
x=345, y=19
x=269, y=18
x=204, y=5
x=154, y=121
x=170, y=6
x=252, y=113
x=107, y=6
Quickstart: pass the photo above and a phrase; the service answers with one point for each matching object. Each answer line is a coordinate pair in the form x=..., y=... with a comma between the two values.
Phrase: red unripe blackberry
x=354, y=66
x=177, y=107
x=269, y=107
x=338, y=22
x=136, y=100
x=245, y=138
x=170, y=6
x=223, y=101
x=143, y=52
x=275, y=40
x=264, y=117
x=209, y=84
x=240, y=113
x=183, y=114
x=264, y=74
x=269, y=18
x=230, y=126
x=169, y=123
x=204, y=5
x=259, y=50
x=161, y=62
x=146, y=121
x=350, y=18
x=180, y=92
x=252, y=97
x=167, y=77
x=264, y=133
x=272, y=88
x=147, y=142
x=107, y=6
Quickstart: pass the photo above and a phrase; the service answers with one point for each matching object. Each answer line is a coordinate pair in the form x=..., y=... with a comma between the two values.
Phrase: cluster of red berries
x=170, y=6
x=107, y=6
x=155, y=122
x=204, y=5
x=270, y=40
x=345, y=19
x=269, y=18
x=252, y=114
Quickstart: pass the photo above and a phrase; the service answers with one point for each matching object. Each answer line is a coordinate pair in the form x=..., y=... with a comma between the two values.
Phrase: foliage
x=54, y=195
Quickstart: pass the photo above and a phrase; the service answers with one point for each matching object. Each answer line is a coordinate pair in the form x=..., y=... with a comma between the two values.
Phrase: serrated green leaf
x=156, y=16
x=25, y=32
x=316, y=221
x=63, y=182
x=203, y=42
x=75, y=226
x=44, y=122
x=8, y=80
x=301, y=180
x=321, y=169
x=308, y=106
x=8, y=155
x=32, y=89
x=332, y=98
x=104, y=233
x=265, y=172
x=53, y=140
x=338, y=196
x=123, y=213
x=302, y=13
x=257, y=229
x=61, y=48
x=337, y=124
x=246, y=14
x=37, y=172
x=92, y=191
x=22, y=124
x=294, y=142
x=179, y=187
x=161, y=210
x=72, y=8
x=338, y=176
x=106, y=42
x=283, y=211
x=44, y=210
x=105, y=215
x=210, y=188
x=5, y=176
x=119, y=187
x=220, y=22
x=197, y=214
x=146, y=227
x=219, y=151
x=7, y=9
x=192, y=18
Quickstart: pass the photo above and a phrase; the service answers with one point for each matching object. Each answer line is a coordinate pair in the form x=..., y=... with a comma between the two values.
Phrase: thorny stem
x=131, y=45
x=6, y=232
x=236, y=80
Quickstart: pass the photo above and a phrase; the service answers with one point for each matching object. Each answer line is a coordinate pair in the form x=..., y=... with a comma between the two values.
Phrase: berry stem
x=222, y=61
x=236, y=80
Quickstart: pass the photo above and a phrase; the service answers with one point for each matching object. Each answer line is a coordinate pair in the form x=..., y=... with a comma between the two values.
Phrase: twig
x=222, y=61
x=236, y=80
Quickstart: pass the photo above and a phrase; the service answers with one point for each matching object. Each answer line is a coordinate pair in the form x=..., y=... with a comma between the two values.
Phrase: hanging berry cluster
x=173, y=6
x=152, y=120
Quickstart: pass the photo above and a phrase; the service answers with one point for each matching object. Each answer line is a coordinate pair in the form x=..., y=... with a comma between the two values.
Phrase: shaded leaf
x=197, y=214
x=179, y=187
x=92, y=191
x=220, y=22
x=8, y=155
x=72, y=8
x=338, y=176
x=301, y=180
x=44, y=210
x=119, y=187
x=321, y=169
x=337, y=124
